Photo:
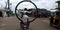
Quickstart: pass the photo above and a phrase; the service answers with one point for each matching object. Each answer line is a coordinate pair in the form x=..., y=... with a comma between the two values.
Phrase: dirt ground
x=12, y=23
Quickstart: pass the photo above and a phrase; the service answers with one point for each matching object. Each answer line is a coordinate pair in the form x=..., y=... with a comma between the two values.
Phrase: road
x=12, y=23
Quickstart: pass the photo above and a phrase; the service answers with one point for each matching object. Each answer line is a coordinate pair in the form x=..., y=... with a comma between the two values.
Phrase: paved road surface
x=12, y=23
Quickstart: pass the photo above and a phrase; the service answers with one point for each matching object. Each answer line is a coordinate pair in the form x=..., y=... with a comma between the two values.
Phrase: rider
x=25, y=17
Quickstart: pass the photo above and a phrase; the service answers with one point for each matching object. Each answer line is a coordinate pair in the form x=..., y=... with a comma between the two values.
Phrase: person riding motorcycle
x=25, y=18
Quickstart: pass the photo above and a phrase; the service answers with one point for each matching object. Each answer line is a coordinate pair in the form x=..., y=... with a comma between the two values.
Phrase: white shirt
x=24, y=18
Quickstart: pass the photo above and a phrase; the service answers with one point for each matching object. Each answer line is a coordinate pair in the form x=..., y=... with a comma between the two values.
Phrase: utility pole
x=8, y=8
x=8, y=4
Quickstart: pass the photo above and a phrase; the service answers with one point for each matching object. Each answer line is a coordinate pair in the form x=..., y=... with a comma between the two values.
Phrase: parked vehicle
x=42, y=13
x=55, y=19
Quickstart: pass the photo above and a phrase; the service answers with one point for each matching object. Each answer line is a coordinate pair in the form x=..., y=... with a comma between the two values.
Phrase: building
x=58, y=4
x=2, y=12
x=58, y=9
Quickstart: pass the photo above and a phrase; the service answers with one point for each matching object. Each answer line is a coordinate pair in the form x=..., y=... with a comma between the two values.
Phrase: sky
x=47, y=4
